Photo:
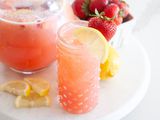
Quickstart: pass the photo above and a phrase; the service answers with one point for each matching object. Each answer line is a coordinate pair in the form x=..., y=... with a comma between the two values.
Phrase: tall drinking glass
x=78, y=72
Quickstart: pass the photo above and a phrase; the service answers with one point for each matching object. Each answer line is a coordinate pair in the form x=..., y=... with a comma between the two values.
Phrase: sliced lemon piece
x=38, y=85
x=1, y=88
x=111, y=66
x=16, y=87
x=94, y=40
x=34, y=100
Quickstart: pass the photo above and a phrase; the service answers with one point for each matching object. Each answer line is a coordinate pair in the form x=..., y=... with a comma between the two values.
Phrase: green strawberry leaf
x=85, y=7
x=121, y=13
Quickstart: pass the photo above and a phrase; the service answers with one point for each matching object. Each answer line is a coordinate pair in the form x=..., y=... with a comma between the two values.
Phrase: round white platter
x=118, y=96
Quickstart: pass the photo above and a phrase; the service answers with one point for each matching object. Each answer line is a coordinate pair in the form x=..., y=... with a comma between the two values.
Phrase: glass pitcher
x=28, y=31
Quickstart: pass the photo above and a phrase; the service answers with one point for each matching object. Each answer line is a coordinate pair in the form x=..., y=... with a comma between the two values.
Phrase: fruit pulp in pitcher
x=28, y=33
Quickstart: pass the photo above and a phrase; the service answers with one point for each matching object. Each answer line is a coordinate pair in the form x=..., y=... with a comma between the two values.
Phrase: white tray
x=118, y=96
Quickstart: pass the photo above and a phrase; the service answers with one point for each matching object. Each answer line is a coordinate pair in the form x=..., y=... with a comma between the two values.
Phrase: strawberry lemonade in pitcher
x=28, y=30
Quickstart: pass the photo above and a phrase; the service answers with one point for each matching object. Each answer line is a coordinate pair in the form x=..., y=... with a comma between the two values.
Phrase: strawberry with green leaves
x=103, y=24
x=112, y=11
x=81, y=8
x=107, y=28
x=124, y=8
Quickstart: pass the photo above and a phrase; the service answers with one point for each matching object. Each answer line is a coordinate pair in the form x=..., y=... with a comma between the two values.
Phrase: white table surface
x=147, y=13
x=147, y=31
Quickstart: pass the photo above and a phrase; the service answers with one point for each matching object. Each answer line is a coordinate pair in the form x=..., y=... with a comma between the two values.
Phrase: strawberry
x=118, y=20
x=111, y=10
x=81, y=8
x=97, y=4
x=124, y=8
x=88, y=18
x=114, y=1
x=107, y=28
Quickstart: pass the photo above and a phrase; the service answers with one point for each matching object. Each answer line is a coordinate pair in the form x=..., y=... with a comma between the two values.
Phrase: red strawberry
x=107, y=28
x=88, y=18
x=97, y=4
x=111, y=10
x=118, y=20
x=81, y=8
x=124, y=7
x=114, y=1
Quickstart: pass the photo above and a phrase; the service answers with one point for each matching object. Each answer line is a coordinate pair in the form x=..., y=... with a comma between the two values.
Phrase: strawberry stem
x=96, y=12
x=109, y=19
x=85, y=7
x=92, y=15
x=121, y=13
x=102, y=16
x=123, y=1
x=102, y=13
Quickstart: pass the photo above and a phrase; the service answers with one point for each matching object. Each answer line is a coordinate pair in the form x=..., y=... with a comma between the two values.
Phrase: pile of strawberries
x=103, y=15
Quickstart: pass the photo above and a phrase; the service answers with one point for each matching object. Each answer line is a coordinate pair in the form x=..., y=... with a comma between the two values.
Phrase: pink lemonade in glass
x=28, y=31
x=78, y=72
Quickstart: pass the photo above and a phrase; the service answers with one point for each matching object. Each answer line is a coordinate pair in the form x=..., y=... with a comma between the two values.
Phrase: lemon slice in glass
x=16, y=87
x=94, y=40
x=40, y=86
x=34, y=100
x=111, y=66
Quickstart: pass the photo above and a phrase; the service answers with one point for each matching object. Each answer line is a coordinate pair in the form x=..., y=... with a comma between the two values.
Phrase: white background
x=147, y=27
x=147, y=31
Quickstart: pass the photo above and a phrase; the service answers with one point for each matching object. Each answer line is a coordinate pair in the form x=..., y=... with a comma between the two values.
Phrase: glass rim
x=61, y=38
x=37, y=20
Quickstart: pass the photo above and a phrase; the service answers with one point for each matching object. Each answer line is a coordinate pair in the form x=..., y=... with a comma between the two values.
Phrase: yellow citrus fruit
x=94, y=40
x=16, y=87
x=1, y=88
x=40, y=86
x=111, y=65
x=34, y=100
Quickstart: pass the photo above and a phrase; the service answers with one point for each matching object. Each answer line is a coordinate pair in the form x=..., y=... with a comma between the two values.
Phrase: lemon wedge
x=40, y=86
x=34, y=100
x=111, y=65
x=94, y=40
x=16, y=87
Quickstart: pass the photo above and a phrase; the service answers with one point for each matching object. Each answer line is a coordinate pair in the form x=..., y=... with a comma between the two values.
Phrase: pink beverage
x=78, y=72
x=28, y=31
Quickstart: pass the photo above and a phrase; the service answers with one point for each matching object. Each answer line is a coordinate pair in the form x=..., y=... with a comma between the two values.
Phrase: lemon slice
x=34, y=100
x=16, y=87
x=38, y=85
x=1, y=88
x=94, y=40
x=111, y=66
